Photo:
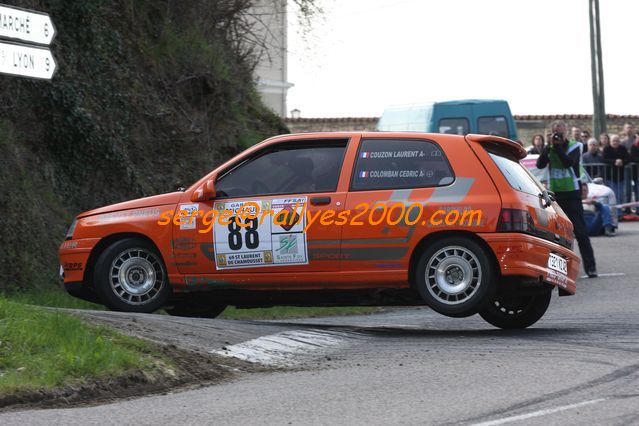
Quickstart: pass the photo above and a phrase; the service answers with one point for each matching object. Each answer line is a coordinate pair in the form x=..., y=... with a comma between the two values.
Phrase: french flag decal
x=363, y=174
x=364, y=155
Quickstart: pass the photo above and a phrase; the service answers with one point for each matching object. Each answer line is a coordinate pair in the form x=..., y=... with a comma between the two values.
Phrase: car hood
x=156, y=200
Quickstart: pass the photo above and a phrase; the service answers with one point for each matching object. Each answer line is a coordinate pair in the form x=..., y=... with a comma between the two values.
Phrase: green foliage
x=149, y=95
x=40, y=349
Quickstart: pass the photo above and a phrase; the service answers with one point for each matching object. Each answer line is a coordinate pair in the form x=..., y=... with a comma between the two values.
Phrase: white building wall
x=269, y=19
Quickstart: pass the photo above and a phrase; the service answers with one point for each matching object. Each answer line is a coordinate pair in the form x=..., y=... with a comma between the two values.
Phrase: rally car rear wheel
x=516, y=311
x=130, y=276
x=455, y=276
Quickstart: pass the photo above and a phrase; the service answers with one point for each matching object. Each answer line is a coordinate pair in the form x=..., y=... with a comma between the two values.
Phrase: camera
x=557, y=136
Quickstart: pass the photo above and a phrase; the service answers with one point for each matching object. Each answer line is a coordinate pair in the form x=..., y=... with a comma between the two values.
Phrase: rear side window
x=400, y=163
x=454, y=126
x=495, y=126
x=516, y=174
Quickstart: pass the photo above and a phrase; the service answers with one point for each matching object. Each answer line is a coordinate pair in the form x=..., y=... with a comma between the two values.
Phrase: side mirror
x=205, y=192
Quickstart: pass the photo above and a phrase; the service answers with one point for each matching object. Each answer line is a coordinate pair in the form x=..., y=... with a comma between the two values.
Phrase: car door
x=393, y=179
x=258, y=221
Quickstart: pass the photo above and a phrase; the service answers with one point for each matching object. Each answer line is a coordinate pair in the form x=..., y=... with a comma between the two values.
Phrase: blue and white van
x=482, y=116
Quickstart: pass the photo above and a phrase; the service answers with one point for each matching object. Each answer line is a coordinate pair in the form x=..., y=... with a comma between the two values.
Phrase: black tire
x=466, y=283
x=130, y=276
x=516, y=311
x=193, y=309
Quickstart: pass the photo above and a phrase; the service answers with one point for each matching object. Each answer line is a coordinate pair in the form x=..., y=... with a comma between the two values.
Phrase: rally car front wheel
x=130, y=276
x=516, y=311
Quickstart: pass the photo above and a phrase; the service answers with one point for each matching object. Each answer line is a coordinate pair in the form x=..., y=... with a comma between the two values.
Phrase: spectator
x=634, y=162
x=594, y=157
x=627, y=142
x=628, y=135
x=597, y=216
x=604, y=140
x=585, y=136
x=563, y=158
x=616, y=156
x=538, y=144
x=576, y=134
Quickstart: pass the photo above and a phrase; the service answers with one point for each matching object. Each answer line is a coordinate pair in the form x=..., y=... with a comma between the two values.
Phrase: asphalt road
x=578, y=365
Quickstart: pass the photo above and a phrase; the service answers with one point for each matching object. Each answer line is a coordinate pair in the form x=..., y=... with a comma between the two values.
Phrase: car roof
x=510, y=145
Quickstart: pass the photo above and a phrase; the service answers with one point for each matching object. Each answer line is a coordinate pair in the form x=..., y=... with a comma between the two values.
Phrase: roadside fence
x=624, y=180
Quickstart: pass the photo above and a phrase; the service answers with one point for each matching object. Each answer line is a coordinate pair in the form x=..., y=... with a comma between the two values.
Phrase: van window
x=454, y=126
x=495, y=126
x=400, y=163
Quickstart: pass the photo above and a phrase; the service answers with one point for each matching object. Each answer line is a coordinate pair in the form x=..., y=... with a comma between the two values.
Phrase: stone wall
x=527, y=125
x=343, y=124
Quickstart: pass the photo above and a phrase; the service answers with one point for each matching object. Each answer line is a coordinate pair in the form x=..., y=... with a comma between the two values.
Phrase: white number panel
x=274, y=237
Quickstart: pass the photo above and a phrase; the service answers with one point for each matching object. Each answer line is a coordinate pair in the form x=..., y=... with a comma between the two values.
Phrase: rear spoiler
x=511, y=146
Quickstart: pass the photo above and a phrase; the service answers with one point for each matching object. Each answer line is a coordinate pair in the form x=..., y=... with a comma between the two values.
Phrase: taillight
x=514, y=220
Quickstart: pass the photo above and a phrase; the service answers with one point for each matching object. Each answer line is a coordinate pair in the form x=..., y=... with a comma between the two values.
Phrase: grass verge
x=59, y=299
x=53, y=297
x=282, y=312
x=41, y=350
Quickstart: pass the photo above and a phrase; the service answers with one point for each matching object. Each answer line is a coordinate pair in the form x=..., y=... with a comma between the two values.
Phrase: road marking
x=288, y=347
x=539, y=413
x=607, y=274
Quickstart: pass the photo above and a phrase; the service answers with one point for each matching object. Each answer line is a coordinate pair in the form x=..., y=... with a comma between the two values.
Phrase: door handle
x=320, y=201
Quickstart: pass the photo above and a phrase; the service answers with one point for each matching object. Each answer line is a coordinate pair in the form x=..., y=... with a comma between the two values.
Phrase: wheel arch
x=424, y=242
x=108, y=241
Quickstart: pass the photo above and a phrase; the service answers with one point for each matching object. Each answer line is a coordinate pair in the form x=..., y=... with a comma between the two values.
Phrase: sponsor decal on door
x=253, y=239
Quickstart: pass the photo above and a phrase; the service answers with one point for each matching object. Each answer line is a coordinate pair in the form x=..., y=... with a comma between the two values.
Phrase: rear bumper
x=526, y=255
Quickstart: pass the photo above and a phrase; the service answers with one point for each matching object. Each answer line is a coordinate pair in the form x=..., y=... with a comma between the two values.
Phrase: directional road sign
x=28, y=61
x=26, y=25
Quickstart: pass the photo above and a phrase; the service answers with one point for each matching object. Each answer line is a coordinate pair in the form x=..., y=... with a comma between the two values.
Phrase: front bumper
x=527, y=255
x=73, y=256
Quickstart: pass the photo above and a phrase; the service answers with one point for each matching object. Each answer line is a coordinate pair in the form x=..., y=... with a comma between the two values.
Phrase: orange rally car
x=326, y=219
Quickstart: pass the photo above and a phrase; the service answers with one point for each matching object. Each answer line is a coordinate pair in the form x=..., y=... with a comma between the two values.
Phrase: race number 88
x=251, y=236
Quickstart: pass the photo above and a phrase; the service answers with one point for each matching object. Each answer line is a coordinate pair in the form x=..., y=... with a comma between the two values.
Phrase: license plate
x=557, y=263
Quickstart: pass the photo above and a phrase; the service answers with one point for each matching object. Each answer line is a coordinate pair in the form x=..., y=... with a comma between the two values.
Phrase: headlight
x=69, y=235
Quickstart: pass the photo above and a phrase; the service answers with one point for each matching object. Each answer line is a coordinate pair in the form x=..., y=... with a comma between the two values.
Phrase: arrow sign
x=28, y=61
x=26, y=25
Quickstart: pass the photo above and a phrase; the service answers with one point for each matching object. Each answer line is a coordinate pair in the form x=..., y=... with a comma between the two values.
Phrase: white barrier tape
x=624, y=205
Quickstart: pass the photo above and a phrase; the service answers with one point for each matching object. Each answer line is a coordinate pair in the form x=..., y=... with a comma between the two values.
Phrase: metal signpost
x=27, y=60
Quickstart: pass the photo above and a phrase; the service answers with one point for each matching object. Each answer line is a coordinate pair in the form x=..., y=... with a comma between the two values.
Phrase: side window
x=400, y=163
x=516, y=174
x=286, y=169
x=454, y=126
x=495, y=126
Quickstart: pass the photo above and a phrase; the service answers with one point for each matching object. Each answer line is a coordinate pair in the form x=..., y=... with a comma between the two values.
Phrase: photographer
x=563, y=159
